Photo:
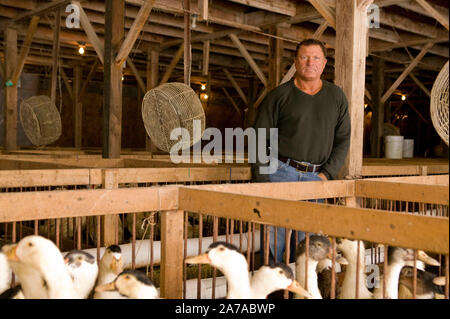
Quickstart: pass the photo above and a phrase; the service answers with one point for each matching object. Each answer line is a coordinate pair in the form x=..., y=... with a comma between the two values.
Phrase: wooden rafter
x=434, y=13
x=420, y=84
x=67, y=83
x=172, y=64
x=89, y=77
x=231, y=101
x=134, y=31
x=248, y=58
x=325, y=11
x=136, y=74
x=405, y=73
x=235, y=85
x=90, y=32
x=25, y=48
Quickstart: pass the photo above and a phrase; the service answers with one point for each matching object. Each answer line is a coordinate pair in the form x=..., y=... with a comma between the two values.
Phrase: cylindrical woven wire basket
x=40, y=120
x=439, y=104
x=169, y=106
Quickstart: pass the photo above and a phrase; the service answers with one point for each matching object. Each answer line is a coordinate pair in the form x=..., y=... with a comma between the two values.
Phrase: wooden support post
x=55, y=54
x=112, y=115
x=110, y=180
x=77, y=105
x=10, y=108
x=378, y=107
x=205, y=64
x=152, y=81
x=187, y=42
x=171, y=283
x=350, y=64
x=203, y=9
x=275, y=55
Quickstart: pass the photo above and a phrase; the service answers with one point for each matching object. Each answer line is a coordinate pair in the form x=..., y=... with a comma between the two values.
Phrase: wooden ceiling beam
x=404, y=23
x=284, y=7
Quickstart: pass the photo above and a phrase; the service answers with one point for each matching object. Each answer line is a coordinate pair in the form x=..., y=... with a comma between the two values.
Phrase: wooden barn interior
x=102, y=181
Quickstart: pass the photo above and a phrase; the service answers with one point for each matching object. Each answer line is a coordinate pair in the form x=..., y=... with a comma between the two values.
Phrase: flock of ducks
x=41, y=272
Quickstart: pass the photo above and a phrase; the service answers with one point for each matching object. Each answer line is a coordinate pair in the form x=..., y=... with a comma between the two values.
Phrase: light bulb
x=81, y=50
x=403, y=97
x=203, y=87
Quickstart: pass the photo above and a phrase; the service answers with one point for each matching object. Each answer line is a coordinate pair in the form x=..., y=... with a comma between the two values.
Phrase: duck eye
x=30, y=244
x=80, y=258
x=281, y=272
x=319, y=244
x=127, y=277
x=222, y=248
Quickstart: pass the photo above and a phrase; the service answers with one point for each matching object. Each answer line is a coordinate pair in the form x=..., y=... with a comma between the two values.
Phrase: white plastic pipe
x=143, y=249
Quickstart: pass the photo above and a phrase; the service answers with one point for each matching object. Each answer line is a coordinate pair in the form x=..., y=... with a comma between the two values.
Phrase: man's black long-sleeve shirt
x=311, y=128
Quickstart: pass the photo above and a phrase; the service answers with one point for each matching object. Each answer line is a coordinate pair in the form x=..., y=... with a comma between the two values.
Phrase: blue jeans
x=286, y=173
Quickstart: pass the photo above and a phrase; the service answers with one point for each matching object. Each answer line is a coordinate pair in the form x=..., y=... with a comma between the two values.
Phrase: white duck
x=349, y=249
x=41, y=256
x=111, y=265
x=83, y=270
x=319, y=249
x=227, y=258
x=131, y=284
x=269, y=278
x=32, y=285
x=5, y=274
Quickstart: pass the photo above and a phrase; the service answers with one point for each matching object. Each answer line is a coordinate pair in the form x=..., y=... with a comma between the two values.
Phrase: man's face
x=310, y=62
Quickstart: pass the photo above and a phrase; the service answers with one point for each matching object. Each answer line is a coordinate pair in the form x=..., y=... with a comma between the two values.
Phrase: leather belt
x=300, y=166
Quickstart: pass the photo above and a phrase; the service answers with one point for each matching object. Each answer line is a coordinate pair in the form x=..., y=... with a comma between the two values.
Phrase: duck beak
x=296, y=288
x=10, y=252
x=117, y=265
x=423, y=256
x=341, y=260
x=440, y=281
x=200, y=259
x=108, y=287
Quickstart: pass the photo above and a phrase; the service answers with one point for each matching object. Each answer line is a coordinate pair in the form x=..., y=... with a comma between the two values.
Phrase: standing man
x=313, y=124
